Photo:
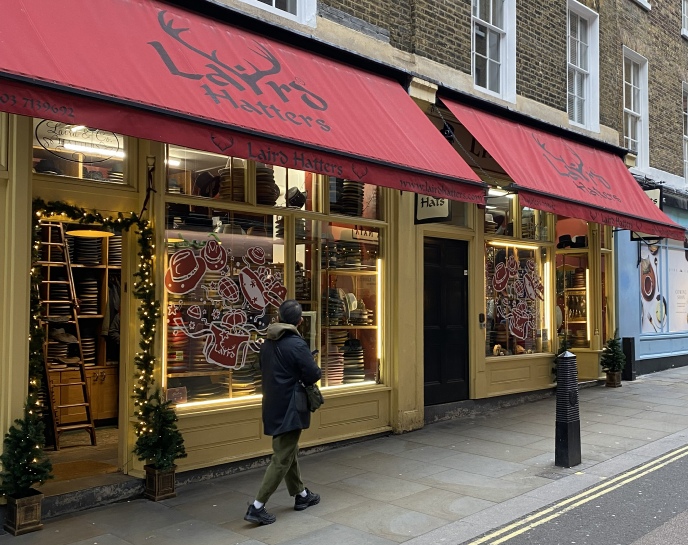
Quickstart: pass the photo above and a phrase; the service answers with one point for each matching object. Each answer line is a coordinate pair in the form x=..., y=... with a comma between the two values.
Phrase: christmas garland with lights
x=158, y=439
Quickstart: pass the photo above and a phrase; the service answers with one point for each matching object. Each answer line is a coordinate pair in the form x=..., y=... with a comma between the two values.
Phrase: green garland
x=150, y=406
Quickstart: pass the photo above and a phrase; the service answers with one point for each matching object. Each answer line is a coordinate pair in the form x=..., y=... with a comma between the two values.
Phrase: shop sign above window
x=431, y=209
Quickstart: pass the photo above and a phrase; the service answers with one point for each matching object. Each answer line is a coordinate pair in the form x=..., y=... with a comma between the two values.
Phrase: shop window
x=534, y=224
x=458, y=214
x=350, y=198
x=517, y=299
x=228, y=271
x=571, y=233
x=573, y=300
x=78, y=151
x=350, y=303
x=204, y=174
x=224, y=285
x=499, y=213
x=606, y=293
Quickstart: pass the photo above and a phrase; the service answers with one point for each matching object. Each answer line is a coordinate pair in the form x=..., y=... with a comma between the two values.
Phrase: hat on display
x=47, y=166
x=580, y=242
x=184, y=272
x=296, y=197
x=565, y=242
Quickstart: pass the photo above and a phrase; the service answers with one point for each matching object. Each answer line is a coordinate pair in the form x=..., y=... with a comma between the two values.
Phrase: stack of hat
x=329, y=255
x=490, y=225
x=232, y=181
x=300, y=228
x=351, y=201
x=198, y=359
x=247, y=380
x=302, y=283
x=87, y=293
x=89, y=251
x=334, y=365
x=361, y=315
x=59, y=292
x=116, y=174
x=204, y=390
x=177, y=349
x=349, y=255
x=334, y=309
x=267, y=191
x=579, y=279
x=70, y=242
x=115, y=250
x=354, y=364
x=88, y=347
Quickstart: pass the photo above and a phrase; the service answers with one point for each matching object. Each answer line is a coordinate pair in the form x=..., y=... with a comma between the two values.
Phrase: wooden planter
x=613, y=379
x=159, y=483
x=24, y=514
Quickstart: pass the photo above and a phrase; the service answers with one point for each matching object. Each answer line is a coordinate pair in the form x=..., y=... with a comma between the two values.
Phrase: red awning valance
x=124, y=64
x=557, y=175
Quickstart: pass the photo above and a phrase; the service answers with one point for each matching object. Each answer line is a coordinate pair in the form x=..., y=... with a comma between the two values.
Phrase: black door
x=445, y=315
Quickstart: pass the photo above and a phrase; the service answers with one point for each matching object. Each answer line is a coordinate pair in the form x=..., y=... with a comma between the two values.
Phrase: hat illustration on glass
x=565, y=241
x=184, y=272
x=296, y=197
x=580, y=242
x=47, y=166
x=206, y=185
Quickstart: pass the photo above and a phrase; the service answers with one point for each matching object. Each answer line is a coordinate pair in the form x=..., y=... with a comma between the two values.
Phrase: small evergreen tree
x=613, y=359
x=161, y=443
x=23, y=461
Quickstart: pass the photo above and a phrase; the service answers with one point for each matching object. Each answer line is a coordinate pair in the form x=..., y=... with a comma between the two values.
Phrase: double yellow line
x=550, y=513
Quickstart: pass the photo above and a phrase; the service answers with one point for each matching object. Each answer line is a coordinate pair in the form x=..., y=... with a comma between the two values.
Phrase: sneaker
x=301, y=503
x=259, y=516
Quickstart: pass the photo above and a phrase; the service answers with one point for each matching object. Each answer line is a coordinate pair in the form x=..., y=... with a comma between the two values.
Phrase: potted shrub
x=160, y=444
x=24, y=464
x=613, y=361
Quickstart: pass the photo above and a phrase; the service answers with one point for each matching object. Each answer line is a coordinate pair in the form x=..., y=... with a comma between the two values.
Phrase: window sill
x=643, y=4
x=684, y=33
x=589, y=128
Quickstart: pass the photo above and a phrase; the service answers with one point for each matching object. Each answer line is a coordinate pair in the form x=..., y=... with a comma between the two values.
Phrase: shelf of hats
x=77, y=151
x=241, y=238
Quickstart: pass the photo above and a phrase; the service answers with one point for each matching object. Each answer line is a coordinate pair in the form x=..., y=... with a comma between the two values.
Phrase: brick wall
x=656, y=35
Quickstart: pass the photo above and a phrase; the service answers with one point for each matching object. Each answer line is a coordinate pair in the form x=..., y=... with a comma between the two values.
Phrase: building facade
x=440, y=185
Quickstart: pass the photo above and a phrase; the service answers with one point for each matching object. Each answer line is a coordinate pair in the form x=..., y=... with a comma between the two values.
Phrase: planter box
x=159, y=483
x=613, y=379
x=24, y=514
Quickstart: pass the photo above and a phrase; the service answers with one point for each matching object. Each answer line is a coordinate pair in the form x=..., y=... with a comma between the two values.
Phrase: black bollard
x=567, y=443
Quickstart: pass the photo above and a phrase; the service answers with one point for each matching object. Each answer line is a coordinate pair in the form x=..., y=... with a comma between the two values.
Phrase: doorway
x=445, y=320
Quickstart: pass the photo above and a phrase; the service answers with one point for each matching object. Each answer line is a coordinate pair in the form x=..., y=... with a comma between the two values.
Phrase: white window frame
x=507, y=52
x=643, y=153
x=644, y=4
x=684, y=108
x=684, y=19
x=306, y=11
x=592, y=82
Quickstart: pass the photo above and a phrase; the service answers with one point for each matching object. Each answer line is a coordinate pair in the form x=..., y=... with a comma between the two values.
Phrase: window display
x=224, y=284
x=573, y=299
x=77, y=151
x=228, y=271
x=517, y=300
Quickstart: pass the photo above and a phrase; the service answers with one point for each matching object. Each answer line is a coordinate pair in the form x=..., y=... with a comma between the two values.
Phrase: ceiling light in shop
x=496, y=192
x=173, y=162
x=490, y=207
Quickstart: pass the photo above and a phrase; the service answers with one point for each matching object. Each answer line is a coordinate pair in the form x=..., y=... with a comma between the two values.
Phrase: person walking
x=287, y=365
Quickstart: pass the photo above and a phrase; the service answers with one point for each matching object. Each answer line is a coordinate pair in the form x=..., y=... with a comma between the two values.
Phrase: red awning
x=564, y=177
x=129, y=65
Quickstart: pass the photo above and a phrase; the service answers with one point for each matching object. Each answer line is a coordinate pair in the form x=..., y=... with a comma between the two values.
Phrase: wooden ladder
x=64, y=390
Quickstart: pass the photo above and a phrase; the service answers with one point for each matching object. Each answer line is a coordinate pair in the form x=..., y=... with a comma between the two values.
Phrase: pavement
x=445, y=484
